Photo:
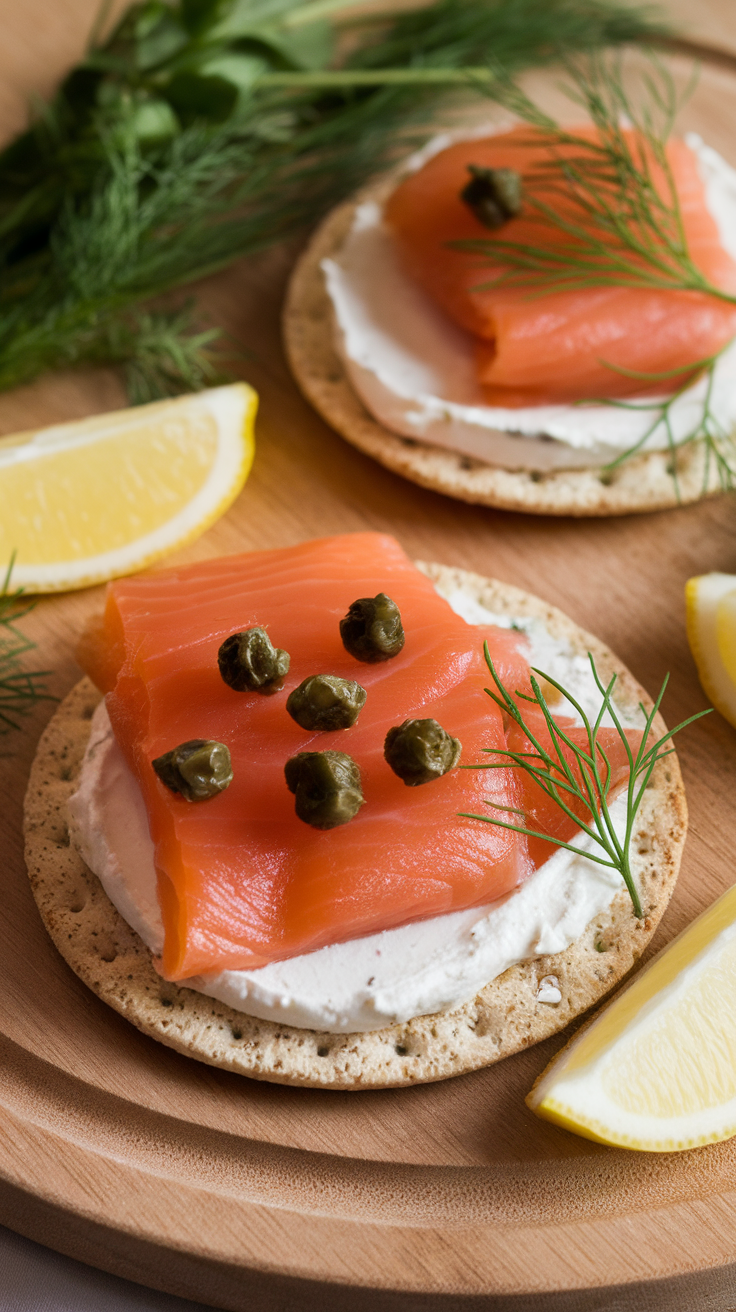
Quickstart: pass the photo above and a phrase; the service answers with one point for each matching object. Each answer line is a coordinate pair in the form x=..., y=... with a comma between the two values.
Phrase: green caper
x=326, y=786
x=325, y=702
x=419, y=751
x=372, y=630
x=249, y=662
x=197, y=769
x=493, y=195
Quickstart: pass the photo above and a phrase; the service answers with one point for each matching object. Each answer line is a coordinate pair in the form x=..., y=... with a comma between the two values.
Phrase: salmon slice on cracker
x=566, y=345
x=242, y=881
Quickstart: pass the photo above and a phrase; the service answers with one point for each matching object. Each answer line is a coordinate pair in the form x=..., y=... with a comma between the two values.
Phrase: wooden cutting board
x=243, y=1195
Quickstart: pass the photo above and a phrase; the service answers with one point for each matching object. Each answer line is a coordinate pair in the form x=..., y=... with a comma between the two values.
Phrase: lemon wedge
x=710, y=602
x=90, y=500
x=656, y=1069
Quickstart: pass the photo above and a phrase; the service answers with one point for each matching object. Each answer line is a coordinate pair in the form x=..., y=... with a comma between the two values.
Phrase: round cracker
x=640, y=484
x=503, y=1018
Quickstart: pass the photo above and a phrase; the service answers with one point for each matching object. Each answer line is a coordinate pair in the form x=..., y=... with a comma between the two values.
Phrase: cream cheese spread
x=414, y=368
x=368, y=983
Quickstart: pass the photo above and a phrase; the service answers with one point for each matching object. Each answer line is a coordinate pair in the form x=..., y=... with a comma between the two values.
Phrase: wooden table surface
x=622, y=578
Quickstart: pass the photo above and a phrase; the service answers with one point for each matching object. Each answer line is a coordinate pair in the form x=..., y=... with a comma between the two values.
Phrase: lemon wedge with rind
x=87, y=501
x=655, y=1070
x=710, y=601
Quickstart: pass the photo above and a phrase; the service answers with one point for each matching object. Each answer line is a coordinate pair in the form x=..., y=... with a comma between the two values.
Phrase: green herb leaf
x=208, y=96
x=198, y=15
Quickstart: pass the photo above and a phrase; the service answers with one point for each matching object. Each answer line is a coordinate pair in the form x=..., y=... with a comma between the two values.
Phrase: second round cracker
x=642, y=483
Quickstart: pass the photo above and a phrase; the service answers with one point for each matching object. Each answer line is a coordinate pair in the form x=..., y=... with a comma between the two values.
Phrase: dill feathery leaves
x=568, y=773
x=20, y=689
x=611, y=202
x=204, y=130
x=610, y=198
x=707, y=430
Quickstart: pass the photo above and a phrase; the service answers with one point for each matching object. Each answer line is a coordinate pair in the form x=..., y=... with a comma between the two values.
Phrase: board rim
x=234, y=1235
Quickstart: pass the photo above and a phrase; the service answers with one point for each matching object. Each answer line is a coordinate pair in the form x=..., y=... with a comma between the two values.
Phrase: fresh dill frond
x=568, y=773
x=707, y=431
x=162, y=353
x=611, y=199
x=20, y=689
x=612, y=205
x=197, y=133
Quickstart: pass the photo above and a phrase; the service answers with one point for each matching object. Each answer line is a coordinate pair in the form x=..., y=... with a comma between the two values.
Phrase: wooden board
x=243, y=1195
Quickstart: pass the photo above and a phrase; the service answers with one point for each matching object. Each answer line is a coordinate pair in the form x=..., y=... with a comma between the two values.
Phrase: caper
x=324, y=701
x=326, y=786
x=249, y=662
x=493, y=195
x=197, y=769
x=419, y=751
x=372, y=630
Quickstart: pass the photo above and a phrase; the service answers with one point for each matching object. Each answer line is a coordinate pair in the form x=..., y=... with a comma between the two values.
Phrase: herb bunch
x=568, y=773
x=200, y=131
x=20, y=689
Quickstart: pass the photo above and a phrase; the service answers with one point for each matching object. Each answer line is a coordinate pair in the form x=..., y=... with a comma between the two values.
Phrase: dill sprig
x=717, y=442
x=614, y=201
x=160, y=353
x=204, y=130
x=20, y=689
x=569, y=773
x=613, y=204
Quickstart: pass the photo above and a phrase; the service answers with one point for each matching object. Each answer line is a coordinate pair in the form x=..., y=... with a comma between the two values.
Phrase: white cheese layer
x=367, y=983
x=414, y=368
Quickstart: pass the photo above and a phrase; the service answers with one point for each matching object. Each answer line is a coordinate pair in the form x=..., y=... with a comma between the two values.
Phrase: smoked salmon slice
x=242, y=881
x=556, y=347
